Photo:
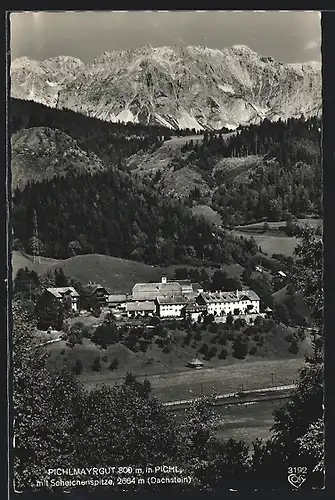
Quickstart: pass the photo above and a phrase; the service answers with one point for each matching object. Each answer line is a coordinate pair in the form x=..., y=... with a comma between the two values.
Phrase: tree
x=77, y=367
x=96, y=366
x=114, y=364
x=298, y=428
x=74, y=248
x=46, y=407
x=49, y=312
x=106, y=334
x=307, y=273
x=229, y=319
x=240, y=348
x=60, y=278
x=218, y=280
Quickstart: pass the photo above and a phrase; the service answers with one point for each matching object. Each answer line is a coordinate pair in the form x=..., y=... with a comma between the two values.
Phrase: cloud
x=311, y=45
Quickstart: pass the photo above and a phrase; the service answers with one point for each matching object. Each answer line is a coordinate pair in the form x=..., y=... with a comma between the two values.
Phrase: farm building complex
x=166, y=299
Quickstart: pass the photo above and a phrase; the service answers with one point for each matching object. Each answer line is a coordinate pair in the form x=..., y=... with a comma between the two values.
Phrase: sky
x=293, y=36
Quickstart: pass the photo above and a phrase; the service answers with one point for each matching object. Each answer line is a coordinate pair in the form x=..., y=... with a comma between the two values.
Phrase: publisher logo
x=296, y=480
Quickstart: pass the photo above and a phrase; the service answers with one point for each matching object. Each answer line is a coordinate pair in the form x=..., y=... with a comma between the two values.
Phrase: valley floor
x=175, y=386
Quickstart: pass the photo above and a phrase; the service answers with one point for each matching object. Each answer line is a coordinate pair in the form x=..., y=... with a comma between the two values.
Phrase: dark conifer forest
x=120, y=214
x=113, y=214
x=286, y=177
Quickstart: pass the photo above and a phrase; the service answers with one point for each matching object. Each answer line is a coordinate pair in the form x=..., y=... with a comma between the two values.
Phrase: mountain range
x=191, y=87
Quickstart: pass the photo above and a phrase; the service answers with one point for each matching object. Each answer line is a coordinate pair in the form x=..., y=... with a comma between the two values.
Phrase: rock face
x=41, y=81
x=40, y=153
x=179, y=87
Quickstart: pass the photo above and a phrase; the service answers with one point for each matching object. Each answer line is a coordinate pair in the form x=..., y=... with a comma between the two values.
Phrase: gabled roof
x=150, y=291
x=172, y=300
x=196, y=361
x=60, y=291
x=229, y=296
x=140, y=306
x=93, y=287
x=194, y=307
x=117, y=298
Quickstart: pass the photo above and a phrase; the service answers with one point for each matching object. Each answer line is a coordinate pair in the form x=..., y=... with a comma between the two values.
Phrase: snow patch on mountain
x=226, y=88
x=194, y=87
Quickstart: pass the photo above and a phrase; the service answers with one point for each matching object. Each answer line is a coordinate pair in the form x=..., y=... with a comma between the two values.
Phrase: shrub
x=289, y=338
x=214, y=328
x=187, y=339
x=203, y=349
x=143, y=345
x=77, y=367
x=197, y=336
x=223, y=354
x=240, y=349
x=223, y=339
x=253, y=350
x=96, y=367
x=294, y=347
x=214, y=339
x=260, y=342
x=114, y=364
x=301, y=334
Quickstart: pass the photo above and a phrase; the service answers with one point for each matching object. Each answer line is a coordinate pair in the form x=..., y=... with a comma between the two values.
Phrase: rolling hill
x=116, y=274
x=40, y=153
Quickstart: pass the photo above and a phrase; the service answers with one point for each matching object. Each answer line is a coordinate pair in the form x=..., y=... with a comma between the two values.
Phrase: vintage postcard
x=167, y=251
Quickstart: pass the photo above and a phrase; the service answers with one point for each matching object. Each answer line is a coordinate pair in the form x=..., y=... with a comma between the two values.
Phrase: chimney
x=164, y=279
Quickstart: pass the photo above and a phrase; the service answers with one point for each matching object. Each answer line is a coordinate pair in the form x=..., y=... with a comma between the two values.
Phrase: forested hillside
x=266, y=171
x=110, y=141
x=115, y=214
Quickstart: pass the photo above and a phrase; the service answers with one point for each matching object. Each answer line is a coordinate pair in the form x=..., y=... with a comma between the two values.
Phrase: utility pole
x=36, y=249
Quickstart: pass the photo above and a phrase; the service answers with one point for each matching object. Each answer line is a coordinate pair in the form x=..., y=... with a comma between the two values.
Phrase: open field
x=275, y=225
x=271, y=244
x=224, y=379
x=244, y=421
x=248, y=421
x=276, y=242
x=111, y=272
x=180, y=141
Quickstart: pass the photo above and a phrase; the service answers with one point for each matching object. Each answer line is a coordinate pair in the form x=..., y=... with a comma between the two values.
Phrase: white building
x=170, y=307
x=223, y=303
x=64, y=292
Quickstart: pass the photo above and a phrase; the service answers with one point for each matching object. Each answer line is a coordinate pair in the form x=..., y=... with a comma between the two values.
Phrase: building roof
x=140, y=306
x=117, y=298
x=93, y=287
x=172, y=300
x=229, y=296
x=60, y=291
x=195, y=361
x=195, y=307
x=152, y=290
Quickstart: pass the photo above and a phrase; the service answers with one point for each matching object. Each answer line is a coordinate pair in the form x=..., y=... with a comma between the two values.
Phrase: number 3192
x=297, y=470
